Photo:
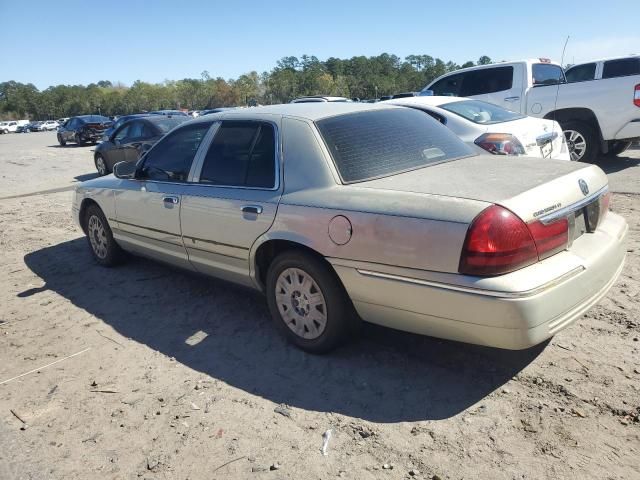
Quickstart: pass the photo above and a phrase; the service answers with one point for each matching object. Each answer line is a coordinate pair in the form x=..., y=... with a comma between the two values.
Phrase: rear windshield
x=374, y=144
x=167, y=123
x=482, y=113
x=94, y=119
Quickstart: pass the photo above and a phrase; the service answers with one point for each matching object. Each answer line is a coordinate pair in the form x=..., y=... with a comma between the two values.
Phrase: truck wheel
x=617, y=147
x=581, y=141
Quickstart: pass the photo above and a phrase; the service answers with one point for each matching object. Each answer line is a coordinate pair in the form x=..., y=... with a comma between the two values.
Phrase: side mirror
x=124, y=170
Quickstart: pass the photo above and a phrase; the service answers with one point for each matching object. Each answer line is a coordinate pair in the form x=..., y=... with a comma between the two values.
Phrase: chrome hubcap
x=576, y=143
x=97, y=236
x=102, y=169
x=301, y=303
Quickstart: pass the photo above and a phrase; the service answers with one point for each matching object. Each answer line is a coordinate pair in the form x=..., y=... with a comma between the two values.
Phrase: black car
x=132, y=138
x=83, y=129
x=23, y=128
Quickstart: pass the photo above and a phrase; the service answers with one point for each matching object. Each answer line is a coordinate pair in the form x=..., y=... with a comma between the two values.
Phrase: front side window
x=122, y=133
x=621, y=68
x=487, y=80
x=374, y=144
x=547, y=74
x=171, y=158
x=136, y=130
x=581, y=73
x=482, y=113
x=448, y=86
x=242, y=154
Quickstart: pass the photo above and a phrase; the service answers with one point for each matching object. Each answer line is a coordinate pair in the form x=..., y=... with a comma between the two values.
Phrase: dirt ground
x=174, y=376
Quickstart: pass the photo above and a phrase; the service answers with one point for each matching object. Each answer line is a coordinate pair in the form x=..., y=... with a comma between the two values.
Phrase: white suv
x=49, y=125
x=8, y=127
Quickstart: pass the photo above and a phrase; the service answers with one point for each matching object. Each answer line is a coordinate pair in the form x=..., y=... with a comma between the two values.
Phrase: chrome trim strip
x=212, y=242
x=563, y=212
x=475, y=291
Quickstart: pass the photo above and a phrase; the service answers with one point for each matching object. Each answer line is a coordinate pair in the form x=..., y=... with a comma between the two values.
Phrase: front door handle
x=171, y=200
x=512, y=99
x=255, y=209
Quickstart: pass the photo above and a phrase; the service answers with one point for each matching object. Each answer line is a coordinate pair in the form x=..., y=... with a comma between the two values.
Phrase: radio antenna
x=555, y=104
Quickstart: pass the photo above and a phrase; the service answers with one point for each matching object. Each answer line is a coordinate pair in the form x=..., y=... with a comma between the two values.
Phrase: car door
x=233, y=198
x=117, y=152
x=69, y=131
x=148, y=207
x=133, y=138
x=501, y=85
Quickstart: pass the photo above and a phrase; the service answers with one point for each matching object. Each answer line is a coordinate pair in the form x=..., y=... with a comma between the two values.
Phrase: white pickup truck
x=599, y=113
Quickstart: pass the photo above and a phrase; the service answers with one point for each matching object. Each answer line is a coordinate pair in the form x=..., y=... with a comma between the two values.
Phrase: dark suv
x=83, y=129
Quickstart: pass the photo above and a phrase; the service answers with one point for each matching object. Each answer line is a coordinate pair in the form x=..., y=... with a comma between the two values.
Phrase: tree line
x=358, y=77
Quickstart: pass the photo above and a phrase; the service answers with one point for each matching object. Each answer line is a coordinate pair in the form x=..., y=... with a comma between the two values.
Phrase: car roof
x=433, y=100
x=84, y=117
x=625, y=57
x=308, y=111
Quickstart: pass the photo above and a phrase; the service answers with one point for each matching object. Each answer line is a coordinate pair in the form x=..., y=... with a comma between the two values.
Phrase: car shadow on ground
x=73, y=145
x=612, y=164
x=225, y=332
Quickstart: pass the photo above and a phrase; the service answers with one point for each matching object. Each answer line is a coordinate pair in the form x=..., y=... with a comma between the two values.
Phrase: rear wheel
x=61, y=141
x=308, y=303
x=101, y=165
x=104, y=248
x=78, y=139
x=581, y=141
x=619, y=146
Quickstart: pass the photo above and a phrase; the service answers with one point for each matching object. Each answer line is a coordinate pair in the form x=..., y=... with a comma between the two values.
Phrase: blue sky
x=74, y=42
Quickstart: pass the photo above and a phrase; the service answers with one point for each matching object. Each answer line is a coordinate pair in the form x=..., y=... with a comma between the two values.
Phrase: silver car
x=342, y=212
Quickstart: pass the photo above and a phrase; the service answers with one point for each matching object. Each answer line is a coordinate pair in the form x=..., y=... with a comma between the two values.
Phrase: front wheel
x=101, y=165
x=104, y=248
x=581, y=141
x=308, y=303
x=61, y=141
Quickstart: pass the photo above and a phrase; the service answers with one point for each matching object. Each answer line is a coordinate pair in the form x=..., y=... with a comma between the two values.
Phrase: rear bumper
x=630, y=131
x=514, y=319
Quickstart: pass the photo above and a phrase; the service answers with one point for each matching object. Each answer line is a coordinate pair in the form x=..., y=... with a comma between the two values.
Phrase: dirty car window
x=373, y=144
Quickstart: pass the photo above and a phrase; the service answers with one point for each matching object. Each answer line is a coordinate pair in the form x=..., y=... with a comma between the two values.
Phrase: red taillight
x=498, y=242
x=551, y=238
x=636, y=96
x=500, y=144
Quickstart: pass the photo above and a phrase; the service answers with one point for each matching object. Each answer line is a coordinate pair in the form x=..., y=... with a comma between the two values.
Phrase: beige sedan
x=341, y=212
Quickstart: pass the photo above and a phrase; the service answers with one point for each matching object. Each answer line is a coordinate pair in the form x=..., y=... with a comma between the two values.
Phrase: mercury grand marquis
x=342, y=212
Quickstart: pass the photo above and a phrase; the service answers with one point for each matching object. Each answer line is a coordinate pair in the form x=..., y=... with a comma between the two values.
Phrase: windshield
x=167, y=123
x=482, y=113
x=379, y=143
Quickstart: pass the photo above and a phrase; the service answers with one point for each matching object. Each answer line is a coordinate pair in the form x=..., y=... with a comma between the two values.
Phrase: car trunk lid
x=540, y=138
x=529, y=188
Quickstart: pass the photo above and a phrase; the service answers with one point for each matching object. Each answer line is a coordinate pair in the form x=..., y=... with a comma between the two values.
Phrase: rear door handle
x=255, y=209
x=512, y=99
x=171, y=200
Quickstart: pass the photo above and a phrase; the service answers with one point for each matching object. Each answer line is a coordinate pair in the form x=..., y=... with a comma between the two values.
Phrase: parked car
x=319, y=99
x=9, y=127
x=83, y=129
x=131, y=138
x=597, y=117
x=169, y=112
x=35, y=126
x=399, y=223
x=24, y=128
x=117, y=122
x=492, y=128
x=49, y=125
x=62, y=121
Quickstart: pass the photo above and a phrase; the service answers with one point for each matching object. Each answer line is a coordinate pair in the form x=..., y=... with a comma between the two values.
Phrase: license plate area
x=585, y=220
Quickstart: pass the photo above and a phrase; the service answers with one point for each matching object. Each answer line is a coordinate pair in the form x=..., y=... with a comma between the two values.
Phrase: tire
x=618, y=147
x=61, y=141
x=104, y=248
x=101, y=165
x=78, y=139
x=293, y=279
x=581, y=141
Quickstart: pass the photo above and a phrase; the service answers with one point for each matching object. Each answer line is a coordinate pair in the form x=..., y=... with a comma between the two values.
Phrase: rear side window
x=487, y=80
x=242, y=154
x=547, y=74
x=373, y=144
x=581, y=73
x=171, y=158
x=482, y=113
x=448, y=86
x=621, y=68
